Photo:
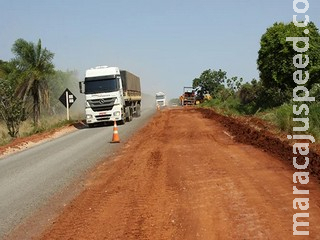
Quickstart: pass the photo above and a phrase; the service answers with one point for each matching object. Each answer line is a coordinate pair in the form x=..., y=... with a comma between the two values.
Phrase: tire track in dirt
x=126, y=187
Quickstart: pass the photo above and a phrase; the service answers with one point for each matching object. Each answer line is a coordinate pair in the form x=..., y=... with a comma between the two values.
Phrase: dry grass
x=5, y=138
x=27, y=128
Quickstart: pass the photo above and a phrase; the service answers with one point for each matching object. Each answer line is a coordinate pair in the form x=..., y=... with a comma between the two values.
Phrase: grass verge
x=280, y=117
x=27, y=128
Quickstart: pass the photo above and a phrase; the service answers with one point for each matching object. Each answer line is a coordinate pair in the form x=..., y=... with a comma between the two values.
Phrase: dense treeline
x=272, y=94
x=29, y=85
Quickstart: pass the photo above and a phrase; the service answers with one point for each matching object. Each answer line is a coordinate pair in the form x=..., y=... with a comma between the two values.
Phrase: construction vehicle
x=188, y=97
x=202, y=96
x=111, y=95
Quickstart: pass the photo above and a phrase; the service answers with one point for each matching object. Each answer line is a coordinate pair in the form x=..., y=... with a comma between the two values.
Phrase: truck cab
x=188, y=97
x=160, y=99
x=105, y=96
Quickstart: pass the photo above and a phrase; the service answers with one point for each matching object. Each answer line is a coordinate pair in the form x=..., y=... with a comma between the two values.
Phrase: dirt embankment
x=184, y=176
x=258, y=133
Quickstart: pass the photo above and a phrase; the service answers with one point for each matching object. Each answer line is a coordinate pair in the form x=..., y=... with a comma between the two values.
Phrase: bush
x=229, y=106
x=254, y=97
x=11, y=108
x=314, y=119
x=282, y=117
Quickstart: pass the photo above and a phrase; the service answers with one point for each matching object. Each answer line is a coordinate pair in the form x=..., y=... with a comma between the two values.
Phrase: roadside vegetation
x=30, y=87
x=270, y=97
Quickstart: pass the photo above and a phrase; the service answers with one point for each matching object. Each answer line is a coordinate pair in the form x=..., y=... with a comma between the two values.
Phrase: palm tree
x=34, y=65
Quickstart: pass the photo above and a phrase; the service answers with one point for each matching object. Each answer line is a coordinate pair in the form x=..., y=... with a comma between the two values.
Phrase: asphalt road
x=28, y=179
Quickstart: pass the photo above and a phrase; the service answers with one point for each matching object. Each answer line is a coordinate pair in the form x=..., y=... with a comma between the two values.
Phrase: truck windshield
x=101, y=85
x=160, y=97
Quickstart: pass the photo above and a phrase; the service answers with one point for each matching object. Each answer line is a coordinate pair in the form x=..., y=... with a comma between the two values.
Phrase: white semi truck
x=111, y=95
x=160, y=99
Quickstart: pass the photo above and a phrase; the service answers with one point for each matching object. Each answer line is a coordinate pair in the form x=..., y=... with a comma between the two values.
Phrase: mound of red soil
x=256, y=132
x=182, y=177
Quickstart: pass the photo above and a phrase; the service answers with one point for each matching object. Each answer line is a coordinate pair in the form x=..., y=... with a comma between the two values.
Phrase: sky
x=166, y=43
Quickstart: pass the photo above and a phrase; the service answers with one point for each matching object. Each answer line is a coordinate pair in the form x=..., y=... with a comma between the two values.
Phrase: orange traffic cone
x=115, y=137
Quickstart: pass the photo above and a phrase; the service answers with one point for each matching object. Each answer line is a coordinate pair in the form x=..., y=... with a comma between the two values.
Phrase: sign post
x=67, y=99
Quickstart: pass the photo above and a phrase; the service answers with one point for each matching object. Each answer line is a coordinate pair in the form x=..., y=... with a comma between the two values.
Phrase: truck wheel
x=138, y=111
x=130, y=115
x=122, y=121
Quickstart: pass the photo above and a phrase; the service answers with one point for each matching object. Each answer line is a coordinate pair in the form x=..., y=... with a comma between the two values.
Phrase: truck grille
x=103, y=117
x=103, y=104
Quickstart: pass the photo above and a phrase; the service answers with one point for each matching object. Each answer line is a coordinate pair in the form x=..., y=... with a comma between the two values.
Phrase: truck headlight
x=89, y=116
x=116, y=114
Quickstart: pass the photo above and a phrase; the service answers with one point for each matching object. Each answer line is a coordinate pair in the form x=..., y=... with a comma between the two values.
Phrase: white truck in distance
x=160, y=99
x=111, y=95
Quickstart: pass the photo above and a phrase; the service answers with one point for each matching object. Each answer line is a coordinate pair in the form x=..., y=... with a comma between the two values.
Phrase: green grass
x=229, y=107
x=314, y=118
x=282, y=118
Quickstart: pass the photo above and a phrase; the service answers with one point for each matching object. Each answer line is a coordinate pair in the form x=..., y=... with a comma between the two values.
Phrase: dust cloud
x=148, y=101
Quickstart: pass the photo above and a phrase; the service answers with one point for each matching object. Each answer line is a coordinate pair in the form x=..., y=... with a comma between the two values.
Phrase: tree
x=2, y=71
x=275, y=57
x=34, y=64
x=5, y=69
x=234, y=83
x=11, y=108
x=210, y=81
x=255, y=96
x=248, y=93
x=174, y=101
